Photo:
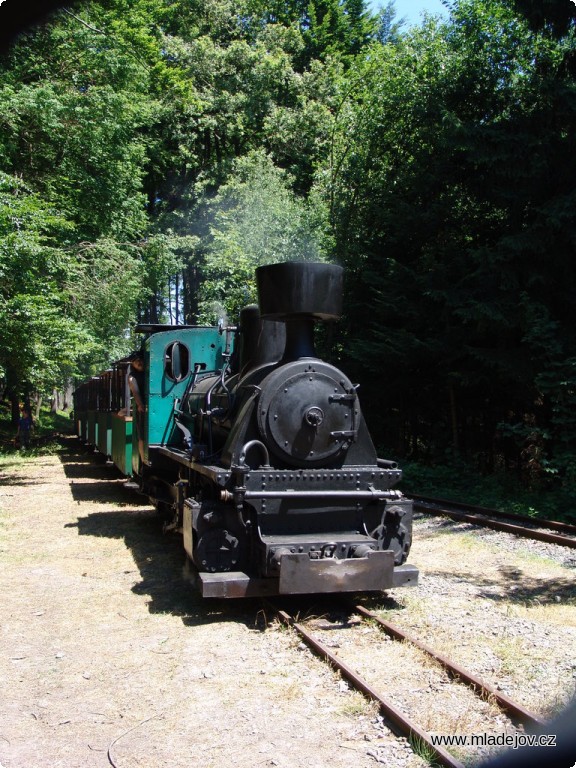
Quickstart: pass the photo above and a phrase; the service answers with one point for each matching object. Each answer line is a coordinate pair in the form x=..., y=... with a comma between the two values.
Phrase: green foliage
x=39, y=339
x=558, y=386
x=450, y=189
x=75, y=110
x=29, y=230
x=548, y=15
x=103, y=288
x=460, y=482
x=156, y=152
x=72, y=108
x=337, y=28
x=388, y=29
x=39, y=343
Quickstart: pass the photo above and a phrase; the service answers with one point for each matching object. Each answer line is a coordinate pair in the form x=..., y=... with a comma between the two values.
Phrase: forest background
x=154, y=152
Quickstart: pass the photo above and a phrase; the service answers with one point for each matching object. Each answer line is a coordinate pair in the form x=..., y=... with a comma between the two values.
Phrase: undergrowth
x=506, y=492
x=44, y=439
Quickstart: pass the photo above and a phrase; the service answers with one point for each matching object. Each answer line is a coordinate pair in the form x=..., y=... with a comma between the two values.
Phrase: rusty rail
x=511, y=708
x=402, y=723
x=483, y=517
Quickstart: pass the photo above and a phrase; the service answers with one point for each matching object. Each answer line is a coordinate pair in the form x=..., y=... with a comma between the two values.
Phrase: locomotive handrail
x=327, y=493
x=254, y=444
x=387, y=464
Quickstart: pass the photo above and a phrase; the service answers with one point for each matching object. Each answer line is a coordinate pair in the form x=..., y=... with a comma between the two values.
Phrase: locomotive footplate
x=233, y=584
x=300, y=575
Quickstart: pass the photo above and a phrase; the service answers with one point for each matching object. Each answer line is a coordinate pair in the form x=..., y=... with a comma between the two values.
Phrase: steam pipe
x=254, y=444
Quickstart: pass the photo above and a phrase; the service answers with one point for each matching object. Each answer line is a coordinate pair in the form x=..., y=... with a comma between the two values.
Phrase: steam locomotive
x=256, y=451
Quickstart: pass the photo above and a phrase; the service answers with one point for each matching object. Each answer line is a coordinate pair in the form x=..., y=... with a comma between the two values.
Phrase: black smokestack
x=299, y=293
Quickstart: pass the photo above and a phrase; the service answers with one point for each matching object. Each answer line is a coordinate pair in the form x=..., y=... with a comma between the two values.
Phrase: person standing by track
x=25, y=425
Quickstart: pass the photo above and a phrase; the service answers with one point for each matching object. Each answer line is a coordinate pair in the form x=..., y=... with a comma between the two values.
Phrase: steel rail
x=553, y=525
x=404, y=724
x=511, y=708
x=497, y=525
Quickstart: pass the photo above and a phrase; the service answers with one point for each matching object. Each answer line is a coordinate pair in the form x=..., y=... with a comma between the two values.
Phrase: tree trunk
x=190, y=280
x=177, y=298
x=14, y=406
x=454, y=419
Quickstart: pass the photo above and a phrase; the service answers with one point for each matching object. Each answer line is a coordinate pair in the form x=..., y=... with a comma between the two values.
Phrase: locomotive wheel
x=165, y=511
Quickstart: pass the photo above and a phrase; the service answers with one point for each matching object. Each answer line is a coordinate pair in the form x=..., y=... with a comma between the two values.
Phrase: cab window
x=177, y=361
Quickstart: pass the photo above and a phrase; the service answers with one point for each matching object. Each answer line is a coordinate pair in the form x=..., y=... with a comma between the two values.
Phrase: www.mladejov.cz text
x=513, y=740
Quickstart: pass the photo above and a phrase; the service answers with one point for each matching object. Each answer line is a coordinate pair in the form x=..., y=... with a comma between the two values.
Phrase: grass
x=357, y=705
x=514, y=661
x=423, y=750
x=561, y=614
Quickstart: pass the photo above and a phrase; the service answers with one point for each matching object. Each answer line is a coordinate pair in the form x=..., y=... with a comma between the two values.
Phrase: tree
x=72, y=152
x=451, y=199
x=39, y=337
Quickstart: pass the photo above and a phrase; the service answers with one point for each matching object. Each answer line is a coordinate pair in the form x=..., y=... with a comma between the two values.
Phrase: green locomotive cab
x=173, y=358
x=173, y=355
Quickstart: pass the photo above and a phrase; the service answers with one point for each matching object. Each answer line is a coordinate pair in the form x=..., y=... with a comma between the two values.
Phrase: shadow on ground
x=160, y=558
x=515, y=586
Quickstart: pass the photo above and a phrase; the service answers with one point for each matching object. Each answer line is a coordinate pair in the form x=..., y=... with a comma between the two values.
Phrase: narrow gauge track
x=516, y=712
x=560, y=533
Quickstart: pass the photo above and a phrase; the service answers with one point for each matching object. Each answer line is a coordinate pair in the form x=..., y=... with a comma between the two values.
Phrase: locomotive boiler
x=264, y=462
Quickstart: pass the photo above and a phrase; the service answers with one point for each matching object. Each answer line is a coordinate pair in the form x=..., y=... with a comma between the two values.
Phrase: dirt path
x=107, y=656
x=104, y=647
